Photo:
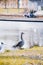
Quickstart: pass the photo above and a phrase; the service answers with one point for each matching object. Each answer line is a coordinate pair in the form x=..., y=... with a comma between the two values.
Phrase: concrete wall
x=11, y=11
x=9, y=4
x=23, y=3
x=12, y=4
x=2, y=4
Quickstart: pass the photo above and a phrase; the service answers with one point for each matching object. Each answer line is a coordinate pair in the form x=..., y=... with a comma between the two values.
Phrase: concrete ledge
x=20, y=19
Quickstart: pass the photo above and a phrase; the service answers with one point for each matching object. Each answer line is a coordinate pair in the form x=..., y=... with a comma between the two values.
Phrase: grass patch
x=21, y=57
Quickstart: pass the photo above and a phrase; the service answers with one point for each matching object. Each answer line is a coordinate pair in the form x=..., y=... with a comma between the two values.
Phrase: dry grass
x=33, y=56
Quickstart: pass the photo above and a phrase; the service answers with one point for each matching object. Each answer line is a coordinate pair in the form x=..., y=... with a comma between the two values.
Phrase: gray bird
x=21, y=43
x=1, y=45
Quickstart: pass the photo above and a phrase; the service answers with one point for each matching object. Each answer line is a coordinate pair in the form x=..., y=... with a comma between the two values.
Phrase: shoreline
x=19, y=19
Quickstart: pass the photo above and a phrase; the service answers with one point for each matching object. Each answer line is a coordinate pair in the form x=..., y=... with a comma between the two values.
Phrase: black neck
x=21, y=37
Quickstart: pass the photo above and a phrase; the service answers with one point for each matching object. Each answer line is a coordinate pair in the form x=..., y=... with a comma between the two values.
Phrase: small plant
x=7, y=51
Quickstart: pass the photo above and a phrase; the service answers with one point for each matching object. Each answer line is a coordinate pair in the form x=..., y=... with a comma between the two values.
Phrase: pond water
x=10, y=33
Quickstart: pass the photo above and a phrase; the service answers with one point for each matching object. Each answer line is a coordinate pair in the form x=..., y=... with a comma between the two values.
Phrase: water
x=10, y=33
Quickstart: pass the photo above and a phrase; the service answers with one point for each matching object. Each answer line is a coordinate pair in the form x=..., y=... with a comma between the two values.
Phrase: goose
x=21, y=43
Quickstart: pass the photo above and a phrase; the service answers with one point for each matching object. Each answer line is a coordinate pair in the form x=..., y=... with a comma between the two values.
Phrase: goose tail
x=14, y=46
